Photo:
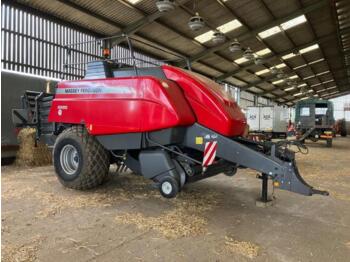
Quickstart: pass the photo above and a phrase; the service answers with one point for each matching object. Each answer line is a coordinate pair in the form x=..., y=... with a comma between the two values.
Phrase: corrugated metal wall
x=35, y=45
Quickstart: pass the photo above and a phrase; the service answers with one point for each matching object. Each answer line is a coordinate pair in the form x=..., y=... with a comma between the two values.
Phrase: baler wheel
x=80, y=161
x=168, y=187
x=232, y=171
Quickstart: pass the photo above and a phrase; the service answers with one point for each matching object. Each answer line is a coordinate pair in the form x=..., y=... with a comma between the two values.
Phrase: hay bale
x=29, y=154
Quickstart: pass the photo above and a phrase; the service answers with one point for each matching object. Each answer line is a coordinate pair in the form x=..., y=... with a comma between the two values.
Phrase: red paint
x=145, y=103
x=140, y=104
x=212, y=107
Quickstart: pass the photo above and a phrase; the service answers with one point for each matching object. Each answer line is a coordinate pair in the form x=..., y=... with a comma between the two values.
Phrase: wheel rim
x=69, y=159
x=167, y=187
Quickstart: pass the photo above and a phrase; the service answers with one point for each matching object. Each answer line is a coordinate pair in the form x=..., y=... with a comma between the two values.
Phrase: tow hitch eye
x=292, y=181
x=320, y=192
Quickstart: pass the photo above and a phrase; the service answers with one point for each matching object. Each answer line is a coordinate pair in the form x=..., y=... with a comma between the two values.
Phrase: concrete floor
x=212, y=220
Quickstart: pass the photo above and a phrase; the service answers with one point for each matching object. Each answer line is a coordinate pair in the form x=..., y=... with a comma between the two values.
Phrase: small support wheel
x=168, y=187
x=231, y=172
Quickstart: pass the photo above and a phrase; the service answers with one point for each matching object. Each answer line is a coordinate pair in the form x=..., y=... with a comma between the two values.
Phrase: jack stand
x=264, y=201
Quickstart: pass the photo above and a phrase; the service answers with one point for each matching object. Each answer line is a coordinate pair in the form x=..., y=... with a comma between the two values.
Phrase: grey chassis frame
x=284, y=172
x=271, y=161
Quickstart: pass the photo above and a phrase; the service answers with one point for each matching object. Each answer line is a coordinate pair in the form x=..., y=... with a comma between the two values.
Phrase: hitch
x=274, y=160
x=292, y=181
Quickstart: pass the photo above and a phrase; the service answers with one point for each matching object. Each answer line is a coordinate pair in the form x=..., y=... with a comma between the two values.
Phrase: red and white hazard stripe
x=209, y=153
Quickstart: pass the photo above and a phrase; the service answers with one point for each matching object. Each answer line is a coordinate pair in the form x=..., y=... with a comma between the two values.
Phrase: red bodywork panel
x=146, y=103
x=212, y=107
x=121, y=105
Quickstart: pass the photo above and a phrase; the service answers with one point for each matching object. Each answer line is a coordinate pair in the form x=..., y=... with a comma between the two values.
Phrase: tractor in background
x=314, y=120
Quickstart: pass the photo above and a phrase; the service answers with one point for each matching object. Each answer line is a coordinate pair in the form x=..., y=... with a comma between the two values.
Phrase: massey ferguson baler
x=165, y=123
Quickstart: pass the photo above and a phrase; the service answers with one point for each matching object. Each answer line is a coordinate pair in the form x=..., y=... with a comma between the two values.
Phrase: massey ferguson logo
x=83, y=90
x=96, y=90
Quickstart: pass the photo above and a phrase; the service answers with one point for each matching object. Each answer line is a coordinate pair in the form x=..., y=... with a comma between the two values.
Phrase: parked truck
x=314, y=120
x=168, y=124
x=270, y=121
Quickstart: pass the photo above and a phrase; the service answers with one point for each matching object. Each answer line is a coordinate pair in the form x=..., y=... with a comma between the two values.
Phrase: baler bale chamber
x=167, y=124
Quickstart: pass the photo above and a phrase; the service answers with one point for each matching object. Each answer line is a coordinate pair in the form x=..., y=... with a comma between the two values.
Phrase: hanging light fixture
x=235, y=46
x=218, y=37
x=248, y=54
x=165, y=5
x=196, y=22
x=258, y=60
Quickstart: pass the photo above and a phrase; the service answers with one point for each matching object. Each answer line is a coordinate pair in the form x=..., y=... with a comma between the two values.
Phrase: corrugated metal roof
x=115, y=10
x=326, y=24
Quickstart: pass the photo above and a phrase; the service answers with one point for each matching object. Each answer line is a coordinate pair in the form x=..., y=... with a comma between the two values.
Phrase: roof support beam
x=131, y=29
x=291, y=92
x=320, y=40
x=339, y=42
x=213, y=27
x=176, y=31
x=337, y=95
x=304, y=95
x=258, y=38
x=88, y=12
x=269, y=78
x=138, y=25
x=113, y=23
x=270, y=57
x=310, y=8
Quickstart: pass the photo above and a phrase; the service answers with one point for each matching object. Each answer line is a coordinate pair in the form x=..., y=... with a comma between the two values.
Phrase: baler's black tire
x=91, y=159
x=172, y=185
x=231, y=172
